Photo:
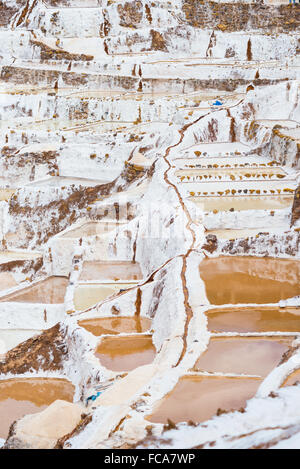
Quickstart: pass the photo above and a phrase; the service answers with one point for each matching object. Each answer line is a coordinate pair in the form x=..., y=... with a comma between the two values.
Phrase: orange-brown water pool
x=19, y=397
x=231, y=280
x=49, y=291
x=258, y=319
x=125, y=353
x=243, y=355
x=110, y=270
x=198, y=398
x=113, y=325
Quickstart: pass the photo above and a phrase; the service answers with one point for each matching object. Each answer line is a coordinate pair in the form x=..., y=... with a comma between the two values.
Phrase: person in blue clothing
x=93, y=397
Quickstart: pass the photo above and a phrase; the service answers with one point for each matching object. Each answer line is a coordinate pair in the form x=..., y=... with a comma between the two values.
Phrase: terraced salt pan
x=254, y=319
x=232, y=280
x=197, y=398
x=19, y=397
x=226, y=172
x=164, y=74
x=115, y=325
x=58, y=181
x=110, y=270
x=63, y=125
x=125, y=353
x=283, y=123
x=242, y=203
x=208, y=61
x=128, y=95
x=218, y=149
x=66, y=91
x=258, y=187
x=242, y=355
x=238, y=234
x=89, y=295
x=10, y=256
x=229, y=161
x=125, y=108
x=49, y=291
x=207, y=104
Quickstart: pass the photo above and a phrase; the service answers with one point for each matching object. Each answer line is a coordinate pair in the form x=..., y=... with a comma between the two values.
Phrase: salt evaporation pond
x=232, y=280
x=49, y=291
x=198, y=398
x=125, y=353
x=19, y=397
x=243, y=355
x=113, y=325
x=254, y=319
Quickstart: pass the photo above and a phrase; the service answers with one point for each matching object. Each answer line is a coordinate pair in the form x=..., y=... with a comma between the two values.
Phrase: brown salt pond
x=125, y=353
x=230, y=280
x=110, y=270
x=49, y=291
x=243, y=355
x=19, y=397
x=294, y=378
x=198, y=398
x=257, y=319
x=88, y=295
x=113, y=325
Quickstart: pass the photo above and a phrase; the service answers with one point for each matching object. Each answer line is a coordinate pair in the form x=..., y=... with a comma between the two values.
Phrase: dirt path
x=188, y=309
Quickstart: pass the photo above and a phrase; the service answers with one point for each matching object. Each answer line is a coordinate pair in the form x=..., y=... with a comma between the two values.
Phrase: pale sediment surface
x=50, y=291
x=110, y=270
x=116, y=325
x=87, y=295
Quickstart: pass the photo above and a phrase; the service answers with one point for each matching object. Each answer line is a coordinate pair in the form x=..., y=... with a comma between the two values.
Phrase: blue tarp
x=93, y=397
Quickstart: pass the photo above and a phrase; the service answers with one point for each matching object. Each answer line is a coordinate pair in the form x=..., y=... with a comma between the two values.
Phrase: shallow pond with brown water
x=198, y=398
x=19, y=397
x=232, y=280
x=125, y=353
